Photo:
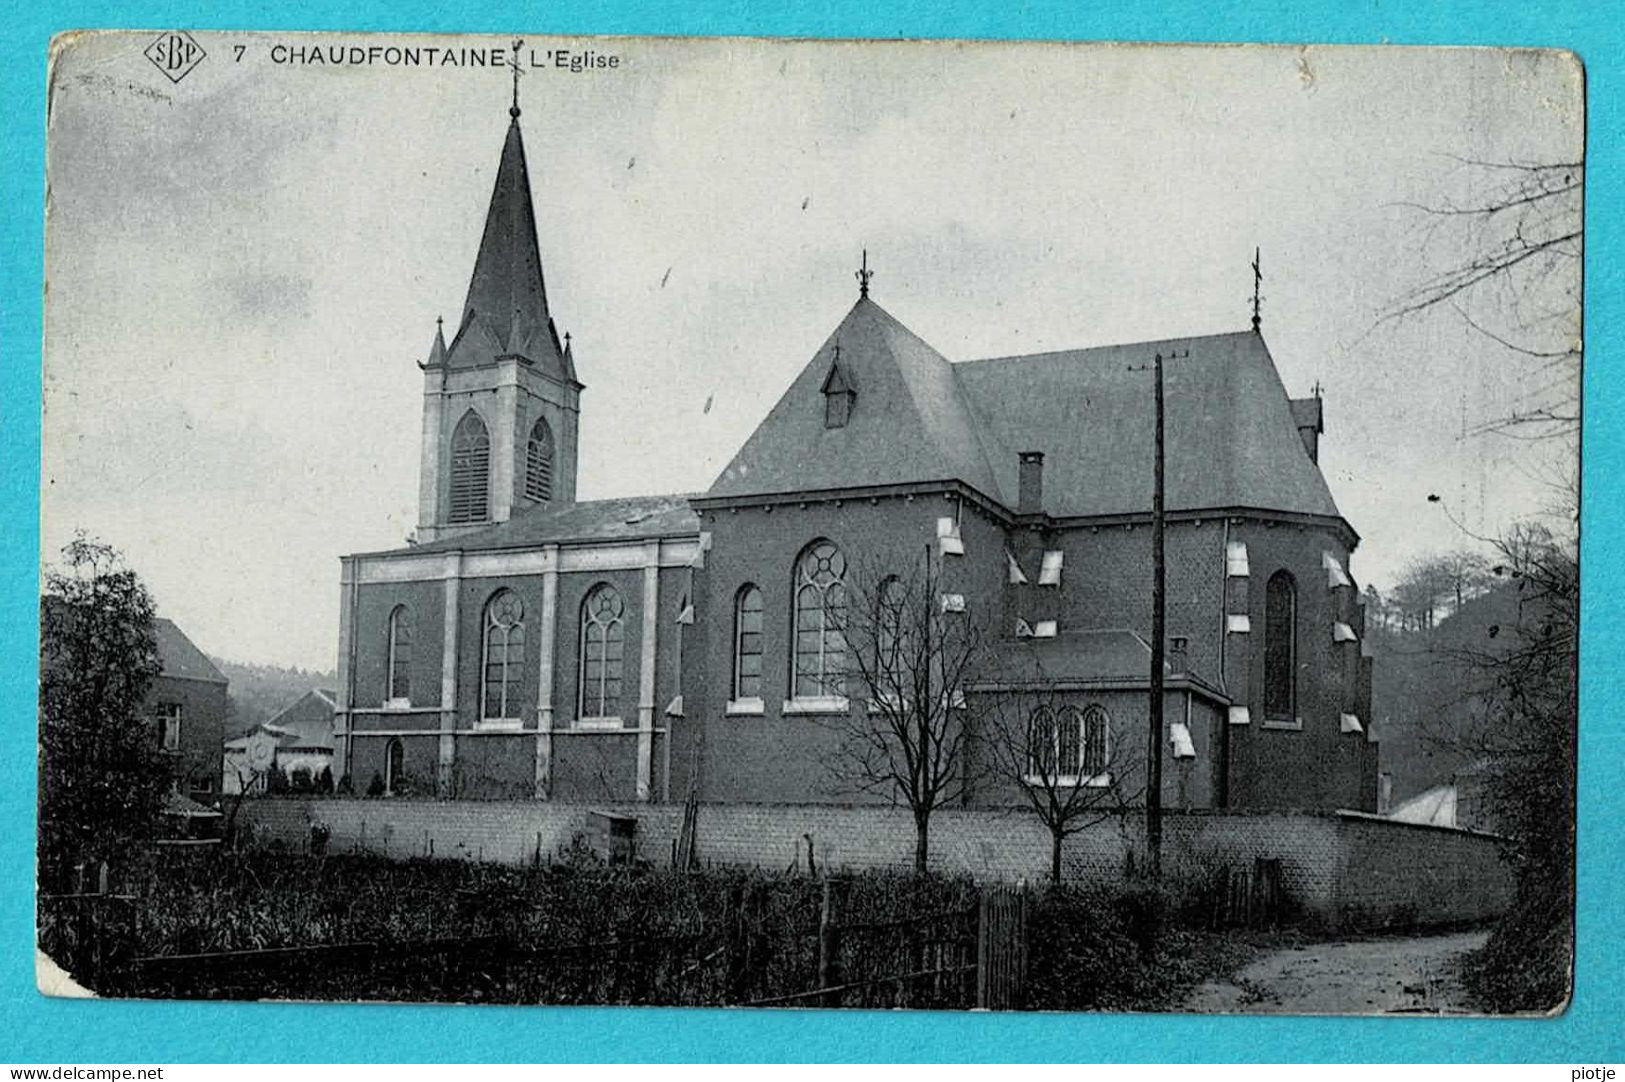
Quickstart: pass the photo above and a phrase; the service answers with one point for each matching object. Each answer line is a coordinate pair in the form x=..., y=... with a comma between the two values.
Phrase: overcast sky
x=244, y=267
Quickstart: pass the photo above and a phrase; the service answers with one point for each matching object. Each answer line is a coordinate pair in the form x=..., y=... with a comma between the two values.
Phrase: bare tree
x=911, y=650
x=1524, y=741
x=1513, y=241
x=1438, y=584
x=1064, y=761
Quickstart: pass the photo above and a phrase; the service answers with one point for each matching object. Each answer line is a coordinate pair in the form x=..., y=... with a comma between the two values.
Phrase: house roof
x=1232, y=436
x=627, y=519
x=180, y=805
x=307, y=722
x=1113, y=656
x=180, y=657
x=505, y=311
x=1435, y=807
x=910, y=421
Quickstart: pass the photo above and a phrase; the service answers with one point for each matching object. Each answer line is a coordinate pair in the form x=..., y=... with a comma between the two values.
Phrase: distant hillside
x=258, y=692
x=1423, y=689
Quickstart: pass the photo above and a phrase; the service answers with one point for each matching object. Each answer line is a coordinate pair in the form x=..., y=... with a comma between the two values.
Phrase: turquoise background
x=36, y=1029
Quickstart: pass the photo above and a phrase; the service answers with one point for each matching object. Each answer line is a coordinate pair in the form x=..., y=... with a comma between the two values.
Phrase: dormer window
x=839, y=395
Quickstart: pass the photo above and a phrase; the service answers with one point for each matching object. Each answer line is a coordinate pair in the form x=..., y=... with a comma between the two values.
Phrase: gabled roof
x=627, y=519
x=307, y=722
x=1231, y=436
x=1231, y=432
x=180, y=657
x=505, y=312
x=909, y=422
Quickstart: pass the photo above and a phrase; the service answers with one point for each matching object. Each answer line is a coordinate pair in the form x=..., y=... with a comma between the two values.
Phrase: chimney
x=1178, y=654
x=1310, y=418
x=1030, y=492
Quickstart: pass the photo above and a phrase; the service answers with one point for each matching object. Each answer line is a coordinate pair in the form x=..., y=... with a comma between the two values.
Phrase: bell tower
x=501, y=402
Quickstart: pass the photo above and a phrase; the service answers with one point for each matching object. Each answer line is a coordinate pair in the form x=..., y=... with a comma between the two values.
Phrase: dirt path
x=1412, y=975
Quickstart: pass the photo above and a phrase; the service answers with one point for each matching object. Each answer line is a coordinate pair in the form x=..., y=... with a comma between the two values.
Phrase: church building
x=529, y=645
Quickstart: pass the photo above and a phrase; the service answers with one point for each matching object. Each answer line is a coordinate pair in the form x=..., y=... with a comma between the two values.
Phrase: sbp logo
x=175, y=54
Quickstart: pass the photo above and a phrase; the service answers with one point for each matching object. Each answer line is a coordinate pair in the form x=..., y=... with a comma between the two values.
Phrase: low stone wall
x=1340, y=869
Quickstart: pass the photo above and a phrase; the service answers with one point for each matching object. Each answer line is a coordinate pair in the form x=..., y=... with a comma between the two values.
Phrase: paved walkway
x=1411, y=975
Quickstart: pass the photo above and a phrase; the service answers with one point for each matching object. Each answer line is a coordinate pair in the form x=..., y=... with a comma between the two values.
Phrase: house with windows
x=530, y=645
x=187, y=704
x=292, y=749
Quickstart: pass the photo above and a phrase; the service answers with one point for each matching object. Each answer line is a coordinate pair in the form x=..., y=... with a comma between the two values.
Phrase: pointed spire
x=507, y=298
x=437, y=352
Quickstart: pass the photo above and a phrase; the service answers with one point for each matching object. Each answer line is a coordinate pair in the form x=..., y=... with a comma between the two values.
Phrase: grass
x=580, y=932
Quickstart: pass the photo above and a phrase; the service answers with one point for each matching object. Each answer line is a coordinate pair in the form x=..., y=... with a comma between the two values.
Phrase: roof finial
x=514, y=110
x=864, y=274
x=835, y=355
x=1258, y=298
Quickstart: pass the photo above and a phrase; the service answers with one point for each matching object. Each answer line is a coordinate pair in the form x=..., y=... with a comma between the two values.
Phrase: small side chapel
x=530, y=645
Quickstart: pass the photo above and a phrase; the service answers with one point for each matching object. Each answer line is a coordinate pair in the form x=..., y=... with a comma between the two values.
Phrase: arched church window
x=603, y=640
x=1094, y=730
x=1072, y=747
x=470, y=470
x=503, y=656
x=394, y=765
x=820, y=613
x=539, y=462
x=890, y=620
x=400, y=655
x=1041, y=750
x=748, y=643
x=1280, y=647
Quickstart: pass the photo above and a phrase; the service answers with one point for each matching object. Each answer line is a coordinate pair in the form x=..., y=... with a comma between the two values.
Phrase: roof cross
x=514, y=64
x=864, y=274
x=1258, y=298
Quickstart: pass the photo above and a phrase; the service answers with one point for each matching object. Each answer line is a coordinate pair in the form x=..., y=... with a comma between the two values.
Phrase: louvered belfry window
x=539, y=462
x=470, y=470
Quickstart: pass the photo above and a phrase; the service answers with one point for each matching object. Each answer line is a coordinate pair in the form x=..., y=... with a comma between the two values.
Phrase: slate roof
x=307, y=722
x=627, y=519
x=1232, y=438
x=910, y=421
x=180, y=656
x=1114, y=656
x=505, y=311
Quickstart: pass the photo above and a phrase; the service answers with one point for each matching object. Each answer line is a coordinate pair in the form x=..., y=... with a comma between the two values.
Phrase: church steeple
x=506, y=308
x=501, y=409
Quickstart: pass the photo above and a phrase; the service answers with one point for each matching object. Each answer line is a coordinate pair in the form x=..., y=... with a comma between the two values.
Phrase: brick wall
x=196, y=763
x=1339, y=869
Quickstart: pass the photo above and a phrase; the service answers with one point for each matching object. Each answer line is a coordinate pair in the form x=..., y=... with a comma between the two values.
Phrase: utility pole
x=1159, y=635
x=1159, y=632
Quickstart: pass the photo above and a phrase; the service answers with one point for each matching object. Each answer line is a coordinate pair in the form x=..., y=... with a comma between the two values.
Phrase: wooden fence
x=955, y=958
